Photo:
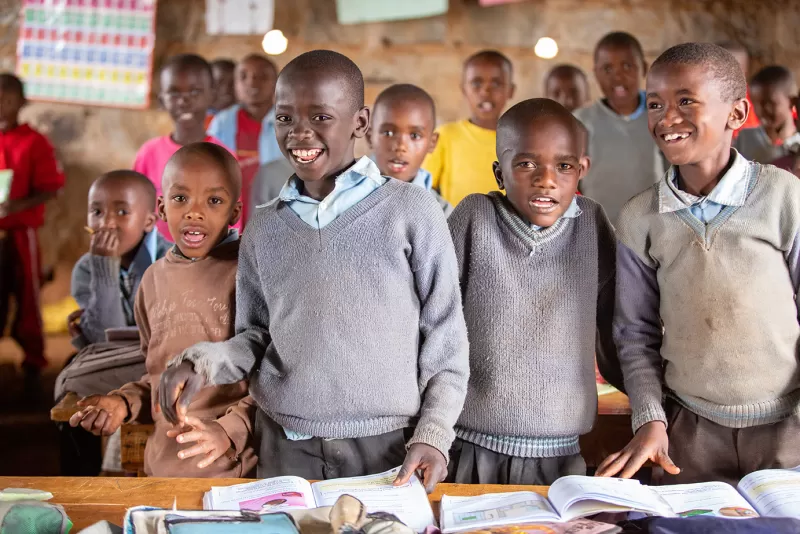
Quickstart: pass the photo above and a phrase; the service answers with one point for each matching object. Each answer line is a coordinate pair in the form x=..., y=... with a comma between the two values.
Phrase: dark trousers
x=320, y=459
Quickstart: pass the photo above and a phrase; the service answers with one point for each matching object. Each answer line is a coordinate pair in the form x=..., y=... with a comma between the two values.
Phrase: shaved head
x=132, y=179
x=209, y=154
x=522, y=115
x=329, y=64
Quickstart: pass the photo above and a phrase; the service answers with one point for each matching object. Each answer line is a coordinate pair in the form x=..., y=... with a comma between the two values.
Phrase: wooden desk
x=89, y=500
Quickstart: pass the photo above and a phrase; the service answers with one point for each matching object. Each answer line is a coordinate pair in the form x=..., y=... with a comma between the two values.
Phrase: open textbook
x=772, y=492
x=409, y=503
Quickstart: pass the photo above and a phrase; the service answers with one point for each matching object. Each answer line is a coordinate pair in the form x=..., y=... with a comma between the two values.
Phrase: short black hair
x=494, y=56
x=213, y=154
x=126, y=176
x=264, y=59
x=333, y=64
x=186, y=62
x=621, y=40
x=223, y=63
x=717, y=63
x=409, y=92
x=776, y=76
x=533, y=109
x=9, y=82
x=566, y=70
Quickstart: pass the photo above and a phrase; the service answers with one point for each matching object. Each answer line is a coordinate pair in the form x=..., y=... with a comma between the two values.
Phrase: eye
x=196, y=92
x=686, y=101
x=215, y=200
x=565, y=167
x=95, y=212
x=415, y=136
x=653, y=105
x=626, y=67
x=283, y=118
x=526, y=165
x=122, y=212
x=387, y=133
x=178, y=198
x=607, y=69
x=321, y=118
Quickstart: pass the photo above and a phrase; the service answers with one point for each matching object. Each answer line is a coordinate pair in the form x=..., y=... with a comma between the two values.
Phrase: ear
x=739, y=113
x=236, y=214
x=498, y=175
x=511, y=91
x=433, y=143
x=362, y=122
x=149, y=222
x=586, y=164
x=162, y=213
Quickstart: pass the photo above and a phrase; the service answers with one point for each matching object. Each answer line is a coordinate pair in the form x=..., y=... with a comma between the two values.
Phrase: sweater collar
x=521, y=228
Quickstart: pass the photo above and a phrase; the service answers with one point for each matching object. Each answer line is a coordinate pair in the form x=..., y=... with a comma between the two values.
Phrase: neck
x=782, y=131
x=188, y=134
x=626, y=108
x=487, y=124
x=257, y=111
x=699, y=179
x=320, y=189
x=9, y=126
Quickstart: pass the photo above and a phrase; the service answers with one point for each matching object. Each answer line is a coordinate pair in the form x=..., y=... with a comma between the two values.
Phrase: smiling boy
x=708, y=270
x=536, y=267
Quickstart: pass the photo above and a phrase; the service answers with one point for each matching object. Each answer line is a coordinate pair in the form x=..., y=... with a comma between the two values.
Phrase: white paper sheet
x=579, y=496
x=268, y=495
x=494, y=509
x=773, y=492
x=710, y=498
x=239, y=17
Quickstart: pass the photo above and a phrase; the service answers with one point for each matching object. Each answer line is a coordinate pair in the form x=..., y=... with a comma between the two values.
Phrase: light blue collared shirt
x=639, y=110
x=352, y=186
x=145, y=256
x=225, y=125
x=423, y=179
x=730, y=191
x=573, y=211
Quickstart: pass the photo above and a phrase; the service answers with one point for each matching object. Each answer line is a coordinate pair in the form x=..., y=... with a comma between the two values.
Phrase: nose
x=195, y=212
x=301, y=130
x=399, y=144
x=108, y=220
x=484, y=90
x=546, y=179
x=671, y=116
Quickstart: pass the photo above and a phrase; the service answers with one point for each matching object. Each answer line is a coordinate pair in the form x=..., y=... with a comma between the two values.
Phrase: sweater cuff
x=133, y=397
x=201, y=358
x=105, y=269
x=647, y=413
x=437, y=437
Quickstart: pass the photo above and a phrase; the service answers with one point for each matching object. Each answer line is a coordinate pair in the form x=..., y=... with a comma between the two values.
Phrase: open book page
x=580, y=496
x=773, y=492
x=268, y=495
x=709, y=498
x=409, y=503
x=494, y=509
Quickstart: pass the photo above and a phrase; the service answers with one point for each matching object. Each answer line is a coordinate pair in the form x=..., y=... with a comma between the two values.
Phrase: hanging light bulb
x=274, y=43
x=546, y=48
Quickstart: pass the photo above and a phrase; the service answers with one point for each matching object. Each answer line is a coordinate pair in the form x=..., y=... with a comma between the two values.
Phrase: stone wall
x=427, y=52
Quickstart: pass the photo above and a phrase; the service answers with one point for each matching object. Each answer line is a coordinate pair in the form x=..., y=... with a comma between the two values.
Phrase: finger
x=200, y=448
x=91, y=400
x=409, y=466
x=111, y=425
x=612, y=465
x=76, y=418
x=192, y=386
x=209, y=459
x=430, y=477
x=636, y=461
x=113, y=242
x=166, y=399
x=189, y=437
x=100, y=422
x=88, y=420
x=667, y=464
x=194, y=422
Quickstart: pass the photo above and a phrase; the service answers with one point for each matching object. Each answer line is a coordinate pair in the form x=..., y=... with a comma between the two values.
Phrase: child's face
x=487, y=87
x=772, y=105
x=619, y=72
x=122, y=206
x=540, y=167
x=199, y=204
x=401, y=136
x=10, y=104
x=186, y=95
x=255, y=83
x=687, y=117
x=224, y=96
x=316, y=125
x=569, y=90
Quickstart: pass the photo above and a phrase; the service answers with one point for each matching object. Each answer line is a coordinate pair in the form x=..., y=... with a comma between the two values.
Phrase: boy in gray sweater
x=708, y=273
x=536, y=269
x=348, y=312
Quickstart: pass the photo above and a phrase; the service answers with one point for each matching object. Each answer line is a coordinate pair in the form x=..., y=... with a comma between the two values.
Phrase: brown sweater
x=182, y=302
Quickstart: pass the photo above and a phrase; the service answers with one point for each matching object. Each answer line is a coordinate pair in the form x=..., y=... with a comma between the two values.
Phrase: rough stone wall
x=427, y=52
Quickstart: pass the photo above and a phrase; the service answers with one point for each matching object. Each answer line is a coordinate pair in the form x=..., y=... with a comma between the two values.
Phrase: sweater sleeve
x=238, y=423
x=638, y=334
x=444, y=349
x=605, y=348
x=95, y=287
x=228, y=362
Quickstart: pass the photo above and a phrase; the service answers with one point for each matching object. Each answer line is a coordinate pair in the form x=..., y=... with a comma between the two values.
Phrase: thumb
x=192, y=386
x=667, y=464
x=409, y=466
x=91, y=400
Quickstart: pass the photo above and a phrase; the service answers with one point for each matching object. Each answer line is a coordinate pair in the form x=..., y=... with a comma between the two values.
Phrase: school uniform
x=538, y=303
x=268, y=183
x=755, y=145
x=30, y=158
x=350, y=326
x=721, y=274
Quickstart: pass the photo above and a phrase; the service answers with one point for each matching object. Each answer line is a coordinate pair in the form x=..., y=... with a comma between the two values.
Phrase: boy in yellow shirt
x=462, y=162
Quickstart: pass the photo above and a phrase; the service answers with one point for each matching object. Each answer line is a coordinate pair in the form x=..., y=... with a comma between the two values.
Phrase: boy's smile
x=401, y=137
x=619, y=71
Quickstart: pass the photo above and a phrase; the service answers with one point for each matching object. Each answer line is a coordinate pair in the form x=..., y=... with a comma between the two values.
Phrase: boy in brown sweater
x=184, y=298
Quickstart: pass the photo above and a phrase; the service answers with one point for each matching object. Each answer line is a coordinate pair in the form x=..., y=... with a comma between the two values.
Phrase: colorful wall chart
x=97, y=52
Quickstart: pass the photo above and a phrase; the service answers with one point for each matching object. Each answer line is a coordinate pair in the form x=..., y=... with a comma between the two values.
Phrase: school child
x=772, y=91
x=186, y=93
x=742, y=56
x=625, y=161
x=123, y=244
x=707, y=278
x=536, y=267
x=567, y=85
x=348, y=311
x=402, y=134
x=461, y=163
x=28, y=162
x=184, y=298
x=222, y=71
x=249, y=126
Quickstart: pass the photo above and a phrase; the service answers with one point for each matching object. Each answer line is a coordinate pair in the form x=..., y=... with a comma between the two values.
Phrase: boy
x=123, y=245
x=184, y=298
x=222, y=71
x=625, y=159
x=249, y=127
x=348, y=313
x=772, y=91
x=404, y=117
x=567, y=85
x=186, y=93
x=462, y=161
x=28, y=163
x=707, y=278
x=537, y=274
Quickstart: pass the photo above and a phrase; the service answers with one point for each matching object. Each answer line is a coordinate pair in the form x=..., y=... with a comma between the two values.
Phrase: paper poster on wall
x=239, y=17
x=96, y=52
x=357, y=11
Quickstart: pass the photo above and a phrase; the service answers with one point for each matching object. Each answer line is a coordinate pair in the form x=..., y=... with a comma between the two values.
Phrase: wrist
x=124, y=406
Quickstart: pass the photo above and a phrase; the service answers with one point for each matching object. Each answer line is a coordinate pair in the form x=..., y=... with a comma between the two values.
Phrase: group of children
x=363, y=323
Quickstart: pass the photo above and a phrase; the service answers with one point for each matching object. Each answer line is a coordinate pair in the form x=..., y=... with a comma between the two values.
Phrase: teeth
x=312, y=153
x=486, y=106
x=186, y=117
x=675, y=136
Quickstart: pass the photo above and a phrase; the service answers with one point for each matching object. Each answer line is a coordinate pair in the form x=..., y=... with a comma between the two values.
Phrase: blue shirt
x=730, y=191
x=423, y=179
x=572, y=212
x=226, y=123
x=352, y=186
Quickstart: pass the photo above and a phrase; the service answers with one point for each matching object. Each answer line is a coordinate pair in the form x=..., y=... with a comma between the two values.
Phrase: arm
x=238, y=423
x=605, y=348
x=95, y=287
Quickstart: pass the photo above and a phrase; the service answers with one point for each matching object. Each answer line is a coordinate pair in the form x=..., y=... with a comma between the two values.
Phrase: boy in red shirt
x=28, y=162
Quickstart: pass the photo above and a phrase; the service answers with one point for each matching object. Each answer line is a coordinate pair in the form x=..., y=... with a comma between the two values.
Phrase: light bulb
x=274, y=42
x=546, y=48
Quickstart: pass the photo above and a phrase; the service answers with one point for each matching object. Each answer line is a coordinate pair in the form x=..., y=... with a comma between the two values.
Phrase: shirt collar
x=573, y=212
x=636, y=113
x=423, y=179
x=362, y=169
x=730, y=191
x=145, y=255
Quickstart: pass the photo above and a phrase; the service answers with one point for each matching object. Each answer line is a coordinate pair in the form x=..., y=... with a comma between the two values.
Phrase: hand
x=179, y=384
x=211, y=438
x=104, y=242
x=102, y=414
x=427, y=459
x=74, y=323
x=649, y=443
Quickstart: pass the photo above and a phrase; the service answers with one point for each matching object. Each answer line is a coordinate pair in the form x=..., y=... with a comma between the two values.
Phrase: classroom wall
x=427, y=52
